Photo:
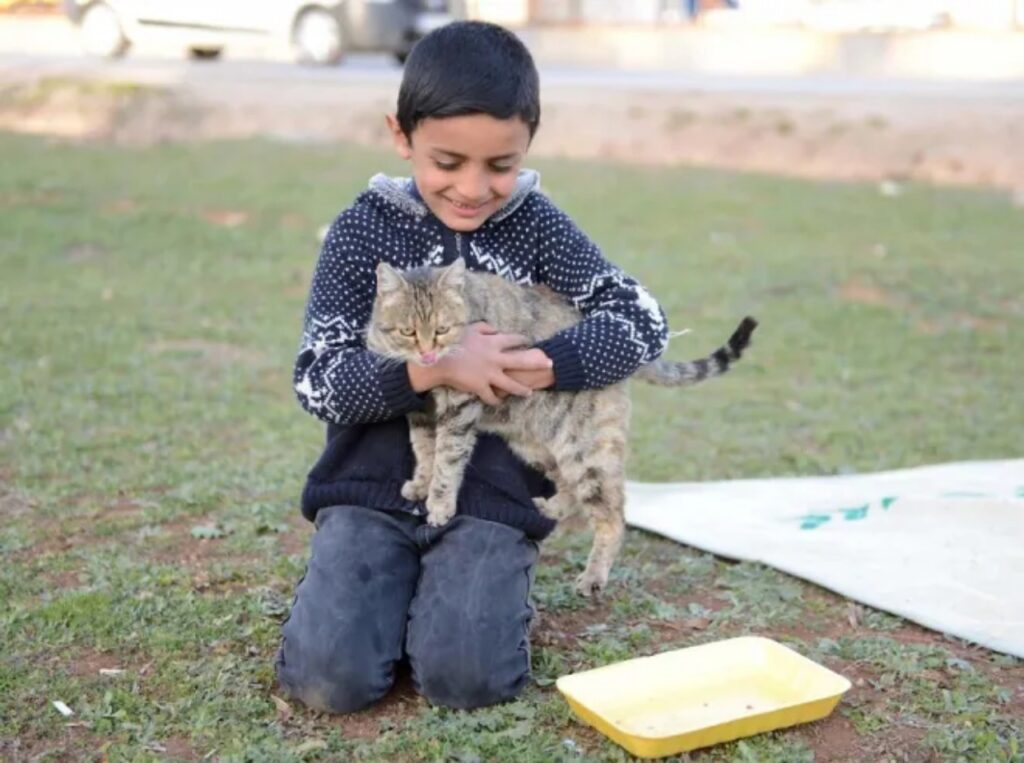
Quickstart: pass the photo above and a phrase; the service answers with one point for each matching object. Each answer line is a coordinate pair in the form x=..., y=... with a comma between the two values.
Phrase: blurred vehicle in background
x=316, y=31
x=877, y=15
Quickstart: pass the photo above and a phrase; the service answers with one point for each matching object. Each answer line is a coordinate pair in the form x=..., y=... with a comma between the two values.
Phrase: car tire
x=101, y=32
x=205, y=54
x=318, y=38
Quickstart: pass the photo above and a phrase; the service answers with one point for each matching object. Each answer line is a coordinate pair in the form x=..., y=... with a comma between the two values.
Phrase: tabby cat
x=578, y=439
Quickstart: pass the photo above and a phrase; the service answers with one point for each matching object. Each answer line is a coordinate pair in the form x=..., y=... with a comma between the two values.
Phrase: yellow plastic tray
x=703, y=695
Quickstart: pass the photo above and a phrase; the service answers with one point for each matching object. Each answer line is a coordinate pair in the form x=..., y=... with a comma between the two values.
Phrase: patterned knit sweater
x=364, y=400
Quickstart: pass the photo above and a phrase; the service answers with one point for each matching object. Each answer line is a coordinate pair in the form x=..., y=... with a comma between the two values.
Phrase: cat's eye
x=441, y=330
x=407, y=332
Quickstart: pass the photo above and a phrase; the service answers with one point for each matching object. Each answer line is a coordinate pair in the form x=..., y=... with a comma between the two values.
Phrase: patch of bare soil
x=177, y=545
x=226, y=218
x=120, y=207
x=834, y=740
x=295, y=541
x=62, y=581
x=12, y=503
x=402, y=703
x=83, y=252
x=88, y=663
x=72, y=532
x=865, y=294
x=565, y=629
x=72, y=742
x=217, y=354
x=176, y=748
x=856, y=291
x=14, y=199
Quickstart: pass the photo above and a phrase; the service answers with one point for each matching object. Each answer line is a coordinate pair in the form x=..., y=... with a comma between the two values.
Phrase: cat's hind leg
x=603, y=498
x=594, y=469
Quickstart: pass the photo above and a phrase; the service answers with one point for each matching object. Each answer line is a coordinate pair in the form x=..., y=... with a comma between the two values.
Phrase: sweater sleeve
x=623, y=326
x=336, y=378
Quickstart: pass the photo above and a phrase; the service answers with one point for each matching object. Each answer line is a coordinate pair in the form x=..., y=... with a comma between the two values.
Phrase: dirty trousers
x=381, y=586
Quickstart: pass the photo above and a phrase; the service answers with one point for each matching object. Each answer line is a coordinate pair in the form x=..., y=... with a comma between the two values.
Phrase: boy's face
x=465, y=166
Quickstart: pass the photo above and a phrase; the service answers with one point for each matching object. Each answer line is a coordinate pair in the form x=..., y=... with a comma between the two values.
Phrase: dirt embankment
x=961, y=141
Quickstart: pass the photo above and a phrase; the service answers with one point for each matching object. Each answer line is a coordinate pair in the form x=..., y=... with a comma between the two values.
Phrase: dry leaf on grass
x=284, y=710
x=228, y=218
x=310, y=746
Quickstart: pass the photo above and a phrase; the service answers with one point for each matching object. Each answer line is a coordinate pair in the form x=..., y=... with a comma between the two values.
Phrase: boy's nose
x=473, y=187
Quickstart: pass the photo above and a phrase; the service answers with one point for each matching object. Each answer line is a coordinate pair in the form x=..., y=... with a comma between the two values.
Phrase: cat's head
x=418, y=315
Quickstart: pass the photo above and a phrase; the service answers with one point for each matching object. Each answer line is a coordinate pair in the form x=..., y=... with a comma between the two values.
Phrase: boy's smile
x=465, y=167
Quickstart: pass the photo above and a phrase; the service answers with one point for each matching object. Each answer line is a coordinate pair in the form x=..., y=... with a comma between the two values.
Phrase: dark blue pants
x=381, y=585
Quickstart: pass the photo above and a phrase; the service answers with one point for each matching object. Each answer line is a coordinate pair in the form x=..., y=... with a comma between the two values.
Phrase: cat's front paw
x=440, y=510
x=591, y=582
x=415, y=491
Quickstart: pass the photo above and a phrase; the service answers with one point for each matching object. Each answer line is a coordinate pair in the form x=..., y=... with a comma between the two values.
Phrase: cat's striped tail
x=671, y=373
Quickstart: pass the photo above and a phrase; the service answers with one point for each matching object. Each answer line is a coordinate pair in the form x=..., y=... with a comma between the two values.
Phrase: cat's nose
x=428, y=357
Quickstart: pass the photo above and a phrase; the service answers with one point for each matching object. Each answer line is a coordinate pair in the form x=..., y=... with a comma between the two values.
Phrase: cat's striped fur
x=578, y=439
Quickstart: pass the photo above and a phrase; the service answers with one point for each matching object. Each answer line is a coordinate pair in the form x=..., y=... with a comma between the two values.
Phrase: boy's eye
x=407, y=332
x=500, y=169
x=441, y=330
x=446, y=166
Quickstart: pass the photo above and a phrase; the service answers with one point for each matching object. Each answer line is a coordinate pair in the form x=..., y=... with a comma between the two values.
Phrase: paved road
x=29, y=47
x=380, y=70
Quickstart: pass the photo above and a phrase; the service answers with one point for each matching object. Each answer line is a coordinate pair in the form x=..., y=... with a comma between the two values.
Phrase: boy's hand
x=482, y=365
x=535, y=380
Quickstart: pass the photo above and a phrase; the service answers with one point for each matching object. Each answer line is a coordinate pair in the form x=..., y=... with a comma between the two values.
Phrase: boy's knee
x=344, y=634
x=464, y=686
x=341, y=686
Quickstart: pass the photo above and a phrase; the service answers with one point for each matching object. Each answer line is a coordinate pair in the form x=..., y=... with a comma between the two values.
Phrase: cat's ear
x=388, y=279
x=453, y=276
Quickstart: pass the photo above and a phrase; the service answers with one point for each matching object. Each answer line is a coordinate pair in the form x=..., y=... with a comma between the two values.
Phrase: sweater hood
x=400, y=193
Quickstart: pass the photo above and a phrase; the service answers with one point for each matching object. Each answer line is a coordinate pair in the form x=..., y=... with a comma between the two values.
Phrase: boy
x=381, y=584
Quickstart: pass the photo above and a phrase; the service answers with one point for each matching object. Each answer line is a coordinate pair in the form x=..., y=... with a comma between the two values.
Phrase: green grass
x=151, y=452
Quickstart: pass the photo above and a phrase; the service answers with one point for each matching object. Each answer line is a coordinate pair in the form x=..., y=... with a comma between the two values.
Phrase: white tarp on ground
x=940, y=545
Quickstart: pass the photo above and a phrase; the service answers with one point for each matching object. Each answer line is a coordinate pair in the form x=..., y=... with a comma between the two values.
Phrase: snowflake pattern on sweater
x=529, y=241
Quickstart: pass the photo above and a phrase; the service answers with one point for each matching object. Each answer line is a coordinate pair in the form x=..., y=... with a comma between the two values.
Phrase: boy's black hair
x=469, y=67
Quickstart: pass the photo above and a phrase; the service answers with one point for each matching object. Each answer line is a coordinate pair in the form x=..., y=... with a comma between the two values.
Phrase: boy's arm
x=336, y=378
x=623, y=326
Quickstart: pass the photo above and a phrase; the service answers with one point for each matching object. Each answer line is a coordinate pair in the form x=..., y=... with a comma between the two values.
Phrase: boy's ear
x=388, y=279
x=453, y=276
x=401, y=140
